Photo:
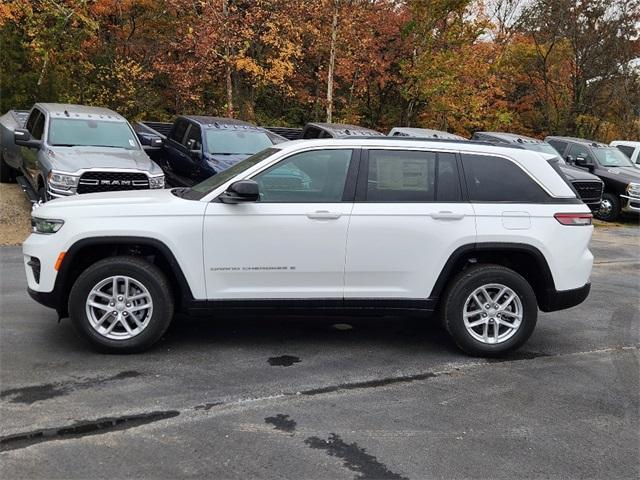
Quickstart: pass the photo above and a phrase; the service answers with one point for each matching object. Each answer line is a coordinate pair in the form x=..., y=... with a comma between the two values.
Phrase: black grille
x=589, y=192
x=92, y=182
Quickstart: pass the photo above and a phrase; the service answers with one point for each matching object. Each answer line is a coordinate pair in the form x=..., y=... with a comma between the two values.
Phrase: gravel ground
x=14, y=214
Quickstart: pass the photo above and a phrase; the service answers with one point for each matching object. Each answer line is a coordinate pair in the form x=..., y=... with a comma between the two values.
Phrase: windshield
x=236, y=142
x=611, y=157
x=201, y=189
x=72, y=132
x=541, y=147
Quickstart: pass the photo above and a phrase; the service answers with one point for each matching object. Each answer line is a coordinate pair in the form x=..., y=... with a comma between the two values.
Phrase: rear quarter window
x=496, y=179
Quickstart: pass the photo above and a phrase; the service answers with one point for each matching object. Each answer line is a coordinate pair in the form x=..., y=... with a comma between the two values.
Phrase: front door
x=291, y=243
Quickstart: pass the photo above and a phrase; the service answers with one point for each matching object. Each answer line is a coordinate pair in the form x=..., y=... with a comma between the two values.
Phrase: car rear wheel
x=121, y=304
x=489, y=310
x=609, y=208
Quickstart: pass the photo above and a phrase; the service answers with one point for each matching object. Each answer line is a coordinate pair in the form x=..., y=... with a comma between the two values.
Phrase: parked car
x=630, y=149
x=196, y=147
x=423, y=133
x=336, y=130
x=621, y=179
x=58, y=150
x=588, y=186
x=485, y=235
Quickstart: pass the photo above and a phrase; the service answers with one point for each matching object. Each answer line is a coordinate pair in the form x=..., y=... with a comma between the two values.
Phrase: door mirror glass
x=240, y=192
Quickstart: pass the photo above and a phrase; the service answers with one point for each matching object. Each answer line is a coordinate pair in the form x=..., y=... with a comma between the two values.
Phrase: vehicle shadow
x=276, y=330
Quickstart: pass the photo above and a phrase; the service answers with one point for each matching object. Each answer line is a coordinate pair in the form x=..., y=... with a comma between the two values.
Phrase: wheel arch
x=87, y=251
x=524, y=259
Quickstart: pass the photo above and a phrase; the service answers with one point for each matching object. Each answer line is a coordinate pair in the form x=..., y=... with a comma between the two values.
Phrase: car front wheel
x=121, y=304
x=489, y=310
x=609, y=208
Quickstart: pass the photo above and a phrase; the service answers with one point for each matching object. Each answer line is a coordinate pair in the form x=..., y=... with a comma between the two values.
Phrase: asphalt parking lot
x=296, y=398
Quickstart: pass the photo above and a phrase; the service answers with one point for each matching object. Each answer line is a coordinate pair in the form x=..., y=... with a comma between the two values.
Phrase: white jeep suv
x=482, y=235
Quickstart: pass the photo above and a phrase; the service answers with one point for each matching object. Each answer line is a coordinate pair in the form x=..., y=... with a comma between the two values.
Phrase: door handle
x=446, y=215
x=324, y=215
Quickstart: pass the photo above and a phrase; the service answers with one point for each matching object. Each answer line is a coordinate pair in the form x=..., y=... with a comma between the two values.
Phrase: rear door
x=409, y=216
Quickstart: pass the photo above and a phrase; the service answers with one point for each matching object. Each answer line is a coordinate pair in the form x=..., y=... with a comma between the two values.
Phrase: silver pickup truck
x=55, y=150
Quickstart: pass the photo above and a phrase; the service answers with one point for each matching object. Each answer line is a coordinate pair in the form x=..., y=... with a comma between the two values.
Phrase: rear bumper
x=561, y=299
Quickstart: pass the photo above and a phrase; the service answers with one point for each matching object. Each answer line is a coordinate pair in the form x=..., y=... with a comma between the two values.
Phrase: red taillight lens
x=574, y=218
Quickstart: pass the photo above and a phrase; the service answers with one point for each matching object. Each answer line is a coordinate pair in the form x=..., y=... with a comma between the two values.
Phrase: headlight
x=45, y=225
x=63, y=180
x=156, y=182
x=633, y=189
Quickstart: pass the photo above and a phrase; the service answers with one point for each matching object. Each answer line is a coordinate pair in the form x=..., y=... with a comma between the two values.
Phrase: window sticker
x=402, y=174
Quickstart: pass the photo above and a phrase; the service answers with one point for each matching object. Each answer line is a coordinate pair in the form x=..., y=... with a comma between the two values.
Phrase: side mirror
x=150, y=140
x=569, y=159
x=583, y=162
x=240, y=192
x=194, y=151
x=23, y=138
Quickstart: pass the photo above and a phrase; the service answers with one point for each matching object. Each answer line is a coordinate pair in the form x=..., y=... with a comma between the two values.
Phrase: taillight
x=574, y=218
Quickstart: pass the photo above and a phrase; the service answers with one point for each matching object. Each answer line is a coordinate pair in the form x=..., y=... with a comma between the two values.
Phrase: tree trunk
x=332, y=61
x=227, y=60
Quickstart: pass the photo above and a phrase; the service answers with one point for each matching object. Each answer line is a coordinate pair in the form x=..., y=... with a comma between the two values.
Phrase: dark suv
x=621, y=179
x=588, y=186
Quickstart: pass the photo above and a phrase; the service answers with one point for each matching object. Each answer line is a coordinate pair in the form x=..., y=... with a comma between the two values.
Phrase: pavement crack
x=82, y=429
x=381, y=382
x=36, y=393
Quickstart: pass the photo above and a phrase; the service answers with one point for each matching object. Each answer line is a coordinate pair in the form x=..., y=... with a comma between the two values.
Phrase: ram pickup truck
x=422, y=133
x=196, y=147
x=620, y=176
x=56, y=150
x=324, y=130
x=479, y=234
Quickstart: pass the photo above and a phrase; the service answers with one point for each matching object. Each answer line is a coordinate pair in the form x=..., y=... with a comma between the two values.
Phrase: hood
x=222, y=162
x=577, y=174
x=630, y=174
x=72, y=159
x=119, y=199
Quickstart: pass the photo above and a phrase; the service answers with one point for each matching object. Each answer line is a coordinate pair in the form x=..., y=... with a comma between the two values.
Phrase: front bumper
x=630, y=204
x=562, y=299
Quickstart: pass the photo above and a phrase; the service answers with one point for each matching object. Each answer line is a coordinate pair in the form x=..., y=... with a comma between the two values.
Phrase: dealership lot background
x=276, y=397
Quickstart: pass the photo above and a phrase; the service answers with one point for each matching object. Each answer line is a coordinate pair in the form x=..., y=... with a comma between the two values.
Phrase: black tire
x=461, y=288
x=147, y=274
x=609, y=209
x=42, y=194
x=7, y=174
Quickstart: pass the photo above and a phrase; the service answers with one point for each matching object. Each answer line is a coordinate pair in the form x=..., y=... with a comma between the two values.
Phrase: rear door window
x=411, y=176
x=495, y=179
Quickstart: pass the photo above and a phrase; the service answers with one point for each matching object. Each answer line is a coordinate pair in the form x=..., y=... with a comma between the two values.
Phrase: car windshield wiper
x=63, y=145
